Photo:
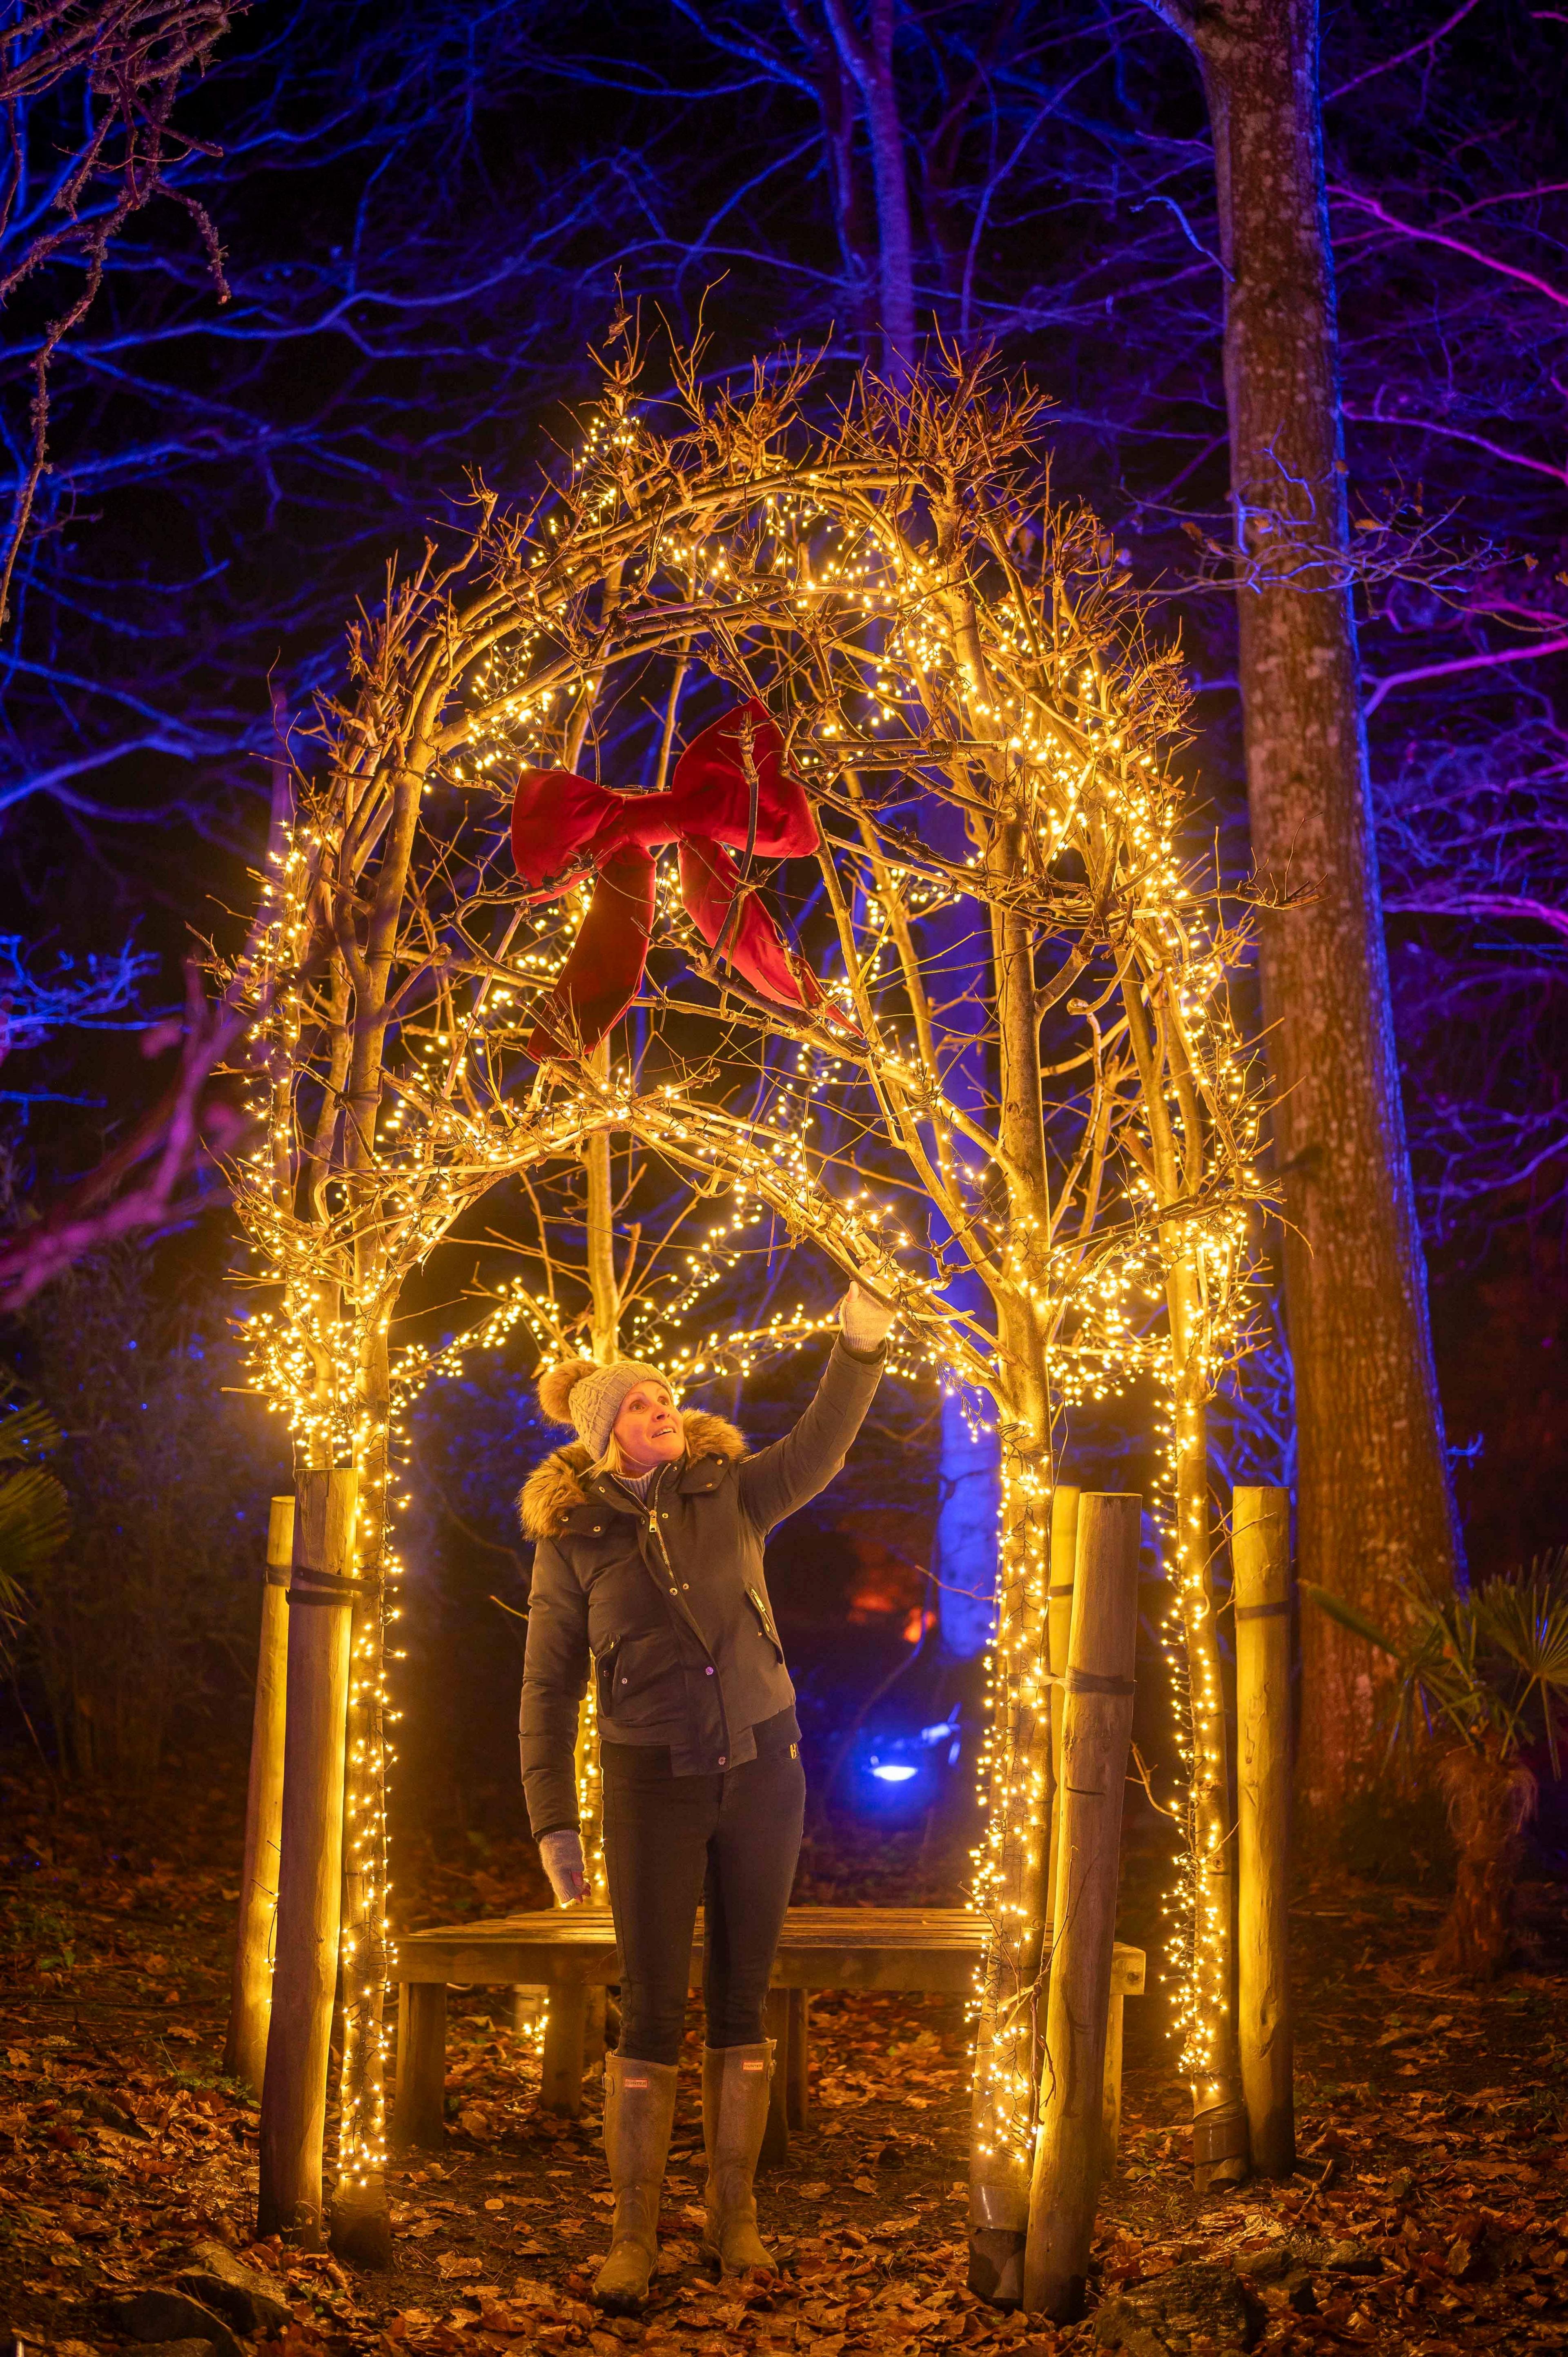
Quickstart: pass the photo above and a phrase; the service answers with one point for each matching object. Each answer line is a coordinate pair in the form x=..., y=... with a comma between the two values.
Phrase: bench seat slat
x=929, y=1949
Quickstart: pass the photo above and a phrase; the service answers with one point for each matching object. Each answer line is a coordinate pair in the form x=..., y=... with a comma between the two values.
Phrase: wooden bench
x=570, y=1952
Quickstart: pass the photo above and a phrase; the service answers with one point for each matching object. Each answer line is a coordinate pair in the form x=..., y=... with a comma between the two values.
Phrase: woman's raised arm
x=798, y=1467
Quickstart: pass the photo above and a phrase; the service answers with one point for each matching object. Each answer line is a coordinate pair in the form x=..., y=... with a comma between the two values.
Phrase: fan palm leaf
x=1488, y=1666
x=1525, y=1623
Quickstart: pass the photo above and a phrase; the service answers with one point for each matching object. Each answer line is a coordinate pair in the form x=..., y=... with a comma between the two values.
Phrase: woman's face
x=647, y=1430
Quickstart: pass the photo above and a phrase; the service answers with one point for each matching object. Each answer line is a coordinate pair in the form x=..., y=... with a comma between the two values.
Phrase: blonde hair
x=612, y=1463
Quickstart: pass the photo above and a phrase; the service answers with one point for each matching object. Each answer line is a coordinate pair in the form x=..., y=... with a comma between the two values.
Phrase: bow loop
x=730, y=788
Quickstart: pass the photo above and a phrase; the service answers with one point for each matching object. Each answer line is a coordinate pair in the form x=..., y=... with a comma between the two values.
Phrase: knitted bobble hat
x=589, y=1398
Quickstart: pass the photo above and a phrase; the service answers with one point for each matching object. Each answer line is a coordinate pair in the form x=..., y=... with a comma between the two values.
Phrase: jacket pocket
x=641, y=1683
x=758, y=1604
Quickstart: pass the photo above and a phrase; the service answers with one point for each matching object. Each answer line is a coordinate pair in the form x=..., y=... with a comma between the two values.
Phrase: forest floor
x=1431, y=2214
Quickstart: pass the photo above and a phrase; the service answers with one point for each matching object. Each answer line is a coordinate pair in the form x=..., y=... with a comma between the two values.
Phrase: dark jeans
x=730, y=1841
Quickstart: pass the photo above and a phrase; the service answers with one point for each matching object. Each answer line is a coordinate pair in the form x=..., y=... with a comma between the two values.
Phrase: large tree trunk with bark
x=1374, y=1504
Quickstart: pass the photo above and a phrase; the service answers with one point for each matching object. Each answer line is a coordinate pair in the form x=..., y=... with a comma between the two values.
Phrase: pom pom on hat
x=556, y=1384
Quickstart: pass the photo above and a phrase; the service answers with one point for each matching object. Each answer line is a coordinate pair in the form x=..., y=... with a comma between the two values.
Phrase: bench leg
x=775, y=2136
x=1111, y=2117
x=560, y=2087
x=594, y=2038
x=418, y=2117
x=797, y=2103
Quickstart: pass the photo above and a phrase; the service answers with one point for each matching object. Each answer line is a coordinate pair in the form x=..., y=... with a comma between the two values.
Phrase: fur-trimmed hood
x=554, y=1489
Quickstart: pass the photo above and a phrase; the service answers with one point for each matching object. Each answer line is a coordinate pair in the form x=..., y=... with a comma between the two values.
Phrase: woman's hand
x=865, y=1322
x=562, y=1857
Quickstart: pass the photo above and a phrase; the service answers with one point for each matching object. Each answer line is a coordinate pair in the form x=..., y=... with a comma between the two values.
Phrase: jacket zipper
x=657, y=1537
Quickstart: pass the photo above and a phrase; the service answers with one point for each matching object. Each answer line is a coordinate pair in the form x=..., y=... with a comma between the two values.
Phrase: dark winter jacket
x=668, y=1602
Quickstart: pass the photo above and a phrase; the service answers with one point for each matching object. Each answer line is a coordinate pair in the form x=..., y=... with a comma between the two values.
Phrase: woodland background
x=425, y=214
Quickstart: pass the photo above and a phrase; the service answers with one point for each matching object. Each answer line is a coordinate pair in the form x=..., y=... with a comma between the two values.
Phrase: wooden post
x=309, y=1910
x=419, y=2108
x=1111, y=2109
x=595, y=2032
x=1261, y=1561
x=797, y=2089
x=775, y=2027
x=560, y=2068
x=1096, y=1737
x=1058, y=1625
x=251, y=2004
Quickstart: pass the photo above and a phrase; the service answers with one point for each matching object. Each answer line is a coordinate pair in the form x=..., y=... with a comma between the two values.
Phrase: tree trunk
x=968, y=1479
x=1097, y=1731
x=958, y=946
x=361, y=2221
x=604, y=1317
x=310, y=1887
x=606, y=1312
x=1013, y=1892
x=1491, y=1801
x=245, y=2053
x=1260, y=1550
x=362, y=2226
x=590, y=1797
x=870, y=64
x=1212, y=2058
x=1013, y=1877
x=1059, y=1629
x=1373, y=1504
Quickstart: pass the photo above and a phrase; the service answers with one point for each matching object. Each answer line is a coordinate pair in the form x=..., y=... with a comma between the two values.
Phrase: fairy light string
x=940, y=641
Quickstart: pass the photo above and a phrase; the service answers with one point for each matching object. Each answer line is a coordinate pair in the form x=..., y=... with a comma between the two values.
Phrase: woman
x=648, y=1570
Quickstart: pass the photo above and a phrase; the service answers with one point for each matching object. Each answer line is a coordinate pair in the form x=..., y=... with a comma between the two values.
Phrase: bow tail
x=754, y=945
x=602, y=975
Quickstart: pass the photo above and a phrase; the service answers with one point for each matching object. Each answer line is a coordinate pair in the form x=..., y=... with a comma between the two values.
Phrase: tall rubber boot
x=640, y=2109
x=736, y=2080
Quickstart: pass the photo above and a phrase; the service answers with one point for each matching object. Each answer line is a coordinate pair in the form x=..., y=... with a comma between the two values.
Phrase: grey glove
x=864, y=1321
x=560, y=1854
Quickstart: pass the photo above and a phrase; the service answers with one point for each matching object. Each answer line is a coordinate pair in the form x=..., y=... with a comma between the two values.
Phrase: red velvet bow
x=561, y=824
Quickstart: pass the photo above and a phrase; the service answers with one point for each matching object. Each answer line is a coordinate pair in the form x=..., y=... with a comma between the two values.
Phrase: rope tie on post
x=323, y=1588
x=1091, y=1682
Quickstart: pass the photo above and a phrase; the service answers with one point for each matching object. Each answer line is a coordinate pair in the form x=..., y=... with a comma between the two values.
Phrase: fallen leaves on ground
x=1431, y=2215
